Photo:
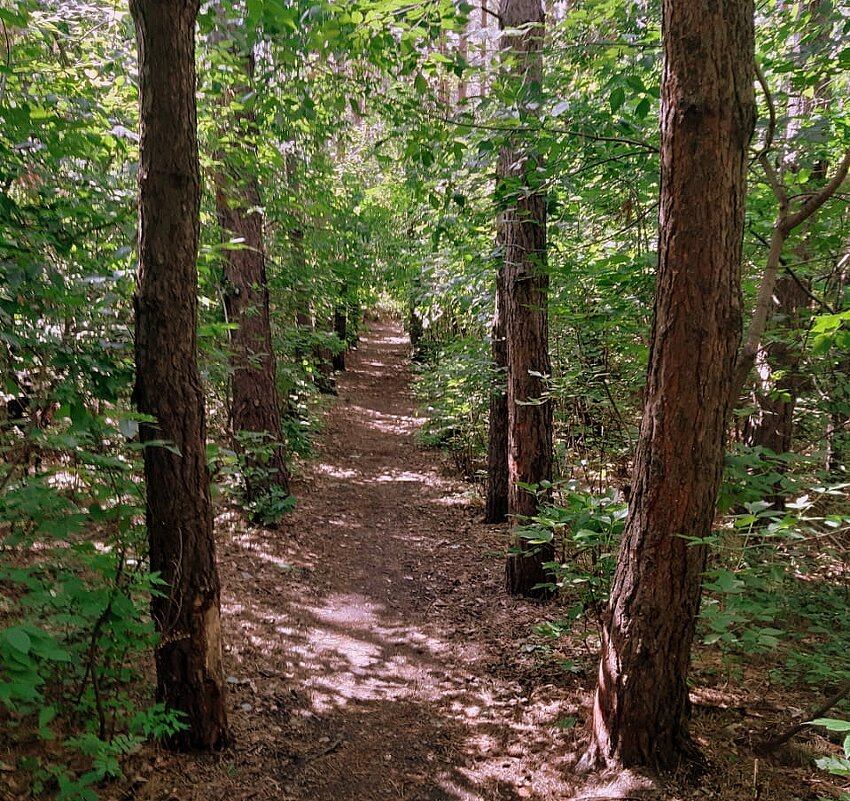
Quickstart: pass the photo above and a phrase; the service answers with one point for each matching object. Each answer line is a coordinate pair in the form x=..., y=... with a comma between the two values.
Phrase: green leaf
x=45, y=716
x=617, y=98
x=16, y=20
x=831, y=724
x=726, y=582
x=18, y=639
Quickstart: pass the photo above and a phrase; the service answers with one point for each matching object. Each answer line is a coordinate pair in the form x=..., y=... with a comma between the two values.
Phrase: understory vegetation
x=373, y=132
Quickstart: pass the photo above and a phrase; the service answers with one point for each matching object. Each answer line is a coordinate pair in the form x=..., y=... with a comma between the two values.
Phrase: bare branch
x=769, y=745
x=544, y=129
x=782, y=227
x=771, y=110
x=491, y=13
x=814, y=202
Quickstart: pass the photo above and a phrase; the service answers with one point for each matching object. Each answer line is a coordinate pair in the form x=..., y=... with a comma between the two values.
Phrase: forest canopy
x=617, y=237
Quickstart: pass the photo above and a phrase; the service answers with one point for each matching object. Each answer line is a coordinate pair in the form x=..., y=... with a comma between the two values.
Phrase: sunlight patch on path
x=387, y=423
x=352, y=653
x=334, y=471
x=409, y=477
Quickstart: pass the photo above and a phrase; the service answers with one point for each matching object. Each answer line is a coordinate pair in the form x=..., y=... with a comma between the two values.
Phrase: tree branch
x=814, y=202
x=480, y=126
x=491, y=13
x=770, y=745
x=782, y=227
x=771, y=110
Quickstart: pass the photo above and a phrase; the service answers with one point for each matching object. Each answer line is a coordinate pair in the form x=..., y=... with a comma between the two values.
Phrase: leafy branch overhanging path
x=371, y=651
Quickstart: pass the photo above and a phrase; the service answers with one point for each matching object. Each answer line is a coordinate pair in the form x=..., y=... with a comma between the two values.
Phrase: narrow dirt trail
x=371, y=651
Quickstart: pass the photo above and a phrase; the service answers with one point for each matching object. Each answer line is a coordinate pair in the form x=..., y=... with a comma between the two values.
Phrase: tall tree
x=496, y=505
x=708, y=110
x=190, y=678
x=522, y=235
x=779, y=379
x=255, y=405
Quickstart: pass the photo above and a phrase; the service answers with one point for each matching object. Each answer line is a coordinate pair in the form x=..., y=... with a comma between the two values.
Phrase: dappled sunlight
x=389, y=339
x=462, y=499
x=344, y=522
x=386, y=423
x=336, y=472
x=408, y=476
x=352, y=651
x=352, y=604
x=264, y=550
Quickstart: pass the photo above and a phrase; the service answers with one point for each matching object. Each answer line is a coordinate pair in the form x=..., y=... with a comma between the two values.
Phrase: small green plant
x=836, y=766
x=454, y=389
x=74, y=592
x=771, y=588
x=254, y=465
x=587, y=529
x=272, y=506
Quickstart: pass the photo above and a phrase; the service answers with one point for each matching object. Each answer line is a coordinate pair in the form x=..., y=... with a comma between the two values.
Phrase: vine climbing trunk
x=255, y=405
x=190, y=677
x=707, y=115
x=522, y=234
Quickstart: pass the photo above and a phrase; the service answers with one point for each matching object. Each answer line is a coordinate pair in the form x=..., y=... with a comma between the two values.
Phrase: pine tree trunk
x=522, y=235
x=255, y=407
x=341, y=330
x=708, y=109
x=496, y=505
x=772, y=424
x=190, y=676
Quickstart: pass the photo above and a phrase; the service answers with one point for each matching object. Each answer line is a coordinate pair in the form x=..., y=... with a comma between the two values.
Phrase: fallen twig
x=770, y=745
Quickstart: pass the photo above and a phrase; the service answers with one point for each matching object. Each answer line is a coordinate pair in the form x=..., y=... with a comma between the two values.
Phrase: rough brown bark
x=179, y=518
x=496, y=504
x=772, y=424
x=255, y=407
x=341, y=330
x=522, y=234
x=708, y=109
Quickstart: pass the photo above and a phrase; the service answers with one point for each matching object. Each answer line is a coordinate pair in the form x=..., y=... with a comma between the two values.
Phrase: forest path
x=371, y=651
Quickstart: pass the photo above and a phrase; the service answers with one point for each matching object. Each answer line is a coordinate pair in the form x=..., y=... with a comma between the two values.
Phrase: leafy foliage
x=372, y=130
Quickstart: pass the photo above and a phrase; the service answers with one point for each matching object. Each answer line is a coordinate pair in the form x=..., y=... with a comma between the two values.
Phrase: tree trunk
x=341, y=330
x=496, y=507
x=772, y=425
x=190, y=677
x=779, y=382
x=522, y=228
x=255, y=408
x=708, y=109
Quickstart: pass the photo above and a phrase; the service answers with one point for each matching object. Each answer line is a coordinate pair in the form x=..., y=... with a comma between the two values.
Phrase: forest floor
x=372, y=653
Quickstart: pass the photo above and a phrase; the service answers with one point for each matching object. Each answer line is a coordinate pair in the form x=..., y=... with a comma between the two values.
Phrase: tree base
x=619, y=785
x=685, y=758
x=526, y=576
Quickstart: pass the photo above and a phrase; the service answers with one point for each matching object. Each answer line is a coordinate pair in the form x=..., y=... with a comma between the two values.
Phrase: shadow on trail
x=372, y=654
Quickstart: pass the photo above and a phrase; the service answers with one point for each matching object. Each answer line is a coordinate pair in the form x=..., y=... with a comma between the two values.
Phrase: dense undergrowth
x=377, y=176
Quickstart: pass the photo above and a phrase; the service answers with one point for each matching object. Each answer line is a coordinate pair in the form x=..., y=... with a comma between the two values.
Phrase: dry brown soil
x=372, y=653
